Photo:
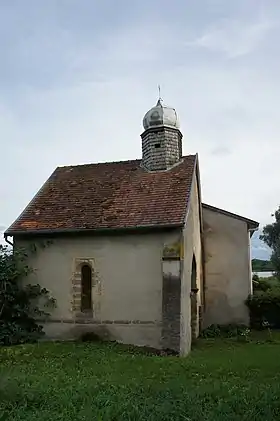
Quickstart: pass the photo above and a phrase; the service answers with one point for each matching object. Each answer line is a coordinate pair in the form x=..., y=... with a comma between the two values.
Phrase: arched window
x=86, y=286
x=193, y=276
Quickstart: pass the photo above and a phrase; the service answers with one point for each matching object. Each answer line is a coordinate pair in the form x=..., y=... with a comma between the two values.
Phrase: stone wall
x=161, y=148
x=126, y=289
x=191, y=304
x=227, y=268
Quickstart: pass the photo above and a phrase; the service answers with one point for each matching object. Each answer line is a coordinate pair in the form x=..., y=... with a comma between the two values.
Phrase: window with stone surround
x=82, y=284
x=86, y=287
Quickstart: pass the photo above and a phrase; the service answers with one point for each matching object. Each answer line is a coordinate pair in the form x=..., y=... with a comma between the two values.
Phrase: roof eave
x=251, y=224
x=119, y=230
x=252, y=230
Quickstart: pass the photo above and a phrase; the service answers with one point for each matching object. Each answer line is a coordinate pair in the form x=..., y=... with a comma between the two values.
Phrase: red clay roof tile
x=110, y=196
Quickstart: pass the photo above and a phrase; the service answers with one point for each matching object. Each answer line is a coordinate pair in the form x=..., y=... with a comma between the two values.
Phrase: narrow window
x=193, y=275
x=86, y=281
x=157, y=145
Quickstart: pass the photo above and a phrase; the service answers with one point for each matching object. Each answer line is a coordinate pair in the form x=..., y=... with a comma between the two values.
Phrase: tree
x=20, y=305
x=259, y=265
x=271, y=236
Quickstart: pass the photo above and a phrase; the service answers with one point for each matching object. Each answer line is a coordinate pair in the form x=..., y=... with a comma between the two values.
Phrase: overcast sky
x=77, y=76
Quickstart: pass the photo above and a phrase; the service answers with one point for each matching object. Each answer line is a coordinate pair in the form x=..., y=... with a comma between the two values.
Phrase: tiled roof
x=108, y=196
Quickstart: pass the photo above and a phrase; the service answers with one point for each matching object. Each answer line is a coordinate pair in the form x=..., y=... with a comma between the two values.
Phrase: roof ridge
x=126, y=161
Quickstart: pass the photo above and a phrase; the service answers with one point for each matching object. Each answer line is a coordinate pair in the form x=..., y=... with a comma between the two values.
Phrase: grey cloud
x=233, y=37
x=75, y=92
x=220, y=151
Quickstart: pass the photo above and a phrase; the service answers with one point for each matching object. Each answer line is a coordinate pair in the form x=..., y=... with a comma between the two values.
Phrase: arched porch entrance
x=194, y=303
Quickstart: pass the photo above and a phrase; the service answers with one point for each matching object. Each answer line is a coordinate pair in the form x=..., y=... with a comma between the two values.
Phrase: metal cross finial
x=159, y=93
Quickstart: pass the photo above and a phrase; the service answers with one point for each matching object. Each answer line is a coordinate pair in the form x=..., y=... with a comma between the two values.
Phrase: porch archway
x=194, y=309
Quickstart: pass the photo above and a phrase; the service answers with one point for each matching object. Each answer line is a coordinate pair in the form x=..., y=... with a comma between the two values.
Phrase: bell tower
x=161, y=139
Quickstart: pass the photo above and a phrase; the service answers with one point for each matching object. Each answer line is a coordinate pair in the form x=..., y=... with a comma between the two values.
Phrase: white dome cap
x=161, y=115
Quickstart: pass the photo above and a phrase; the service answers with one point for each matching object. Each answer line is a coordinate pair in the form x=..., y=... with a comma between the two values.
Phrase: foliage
x=20, y=305
x=261, y=284
x=271, y=236
x=264, y=304
x=220, y=380
x=225, y=331
x=259, y=265
x=264, y=308
x=256, y=278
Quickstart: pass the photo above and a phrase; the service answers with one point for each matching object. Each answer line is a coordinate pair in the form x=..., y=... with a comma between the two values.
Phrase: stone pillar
x=171, y=298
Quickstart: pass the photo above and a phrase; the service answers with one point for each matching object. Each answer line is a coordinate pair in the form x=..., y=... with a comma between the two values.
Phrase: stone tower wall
x=161, y=148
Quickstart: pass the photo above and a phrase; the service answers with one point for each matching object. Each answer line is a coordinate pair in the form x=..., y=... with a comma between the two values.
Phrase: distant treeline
x=259, y=265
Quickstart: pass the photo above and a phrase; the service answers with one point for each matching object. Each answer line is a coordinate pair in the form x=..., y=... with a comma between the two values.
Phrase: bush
x=264, y=308
x=225, y=331
x=20, y=306
x=261, y=284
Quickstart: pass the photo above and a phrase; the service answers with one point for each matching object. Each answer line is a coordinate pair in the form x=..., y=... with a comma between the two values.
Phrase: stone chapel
x=130, y=251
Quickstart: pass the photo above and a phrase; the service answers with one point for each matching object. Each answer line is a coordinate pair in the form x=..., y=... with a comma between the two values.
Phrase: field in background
x=264, y=274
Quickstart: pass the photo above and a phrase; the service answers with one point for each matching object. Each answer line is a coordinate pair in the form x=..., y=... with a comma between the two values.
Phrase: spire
x=159, y=102
x=159, y=96
x=161, y=115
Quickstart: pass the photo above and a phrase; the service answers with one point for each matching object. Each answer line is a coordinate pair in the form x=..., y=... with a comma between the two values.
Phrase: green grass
x=220, y=380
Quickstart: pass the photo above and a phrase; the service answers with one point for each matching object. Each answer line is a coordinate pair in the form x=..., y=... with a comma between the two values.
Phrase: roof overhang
x=85, y=231
x=252, y=225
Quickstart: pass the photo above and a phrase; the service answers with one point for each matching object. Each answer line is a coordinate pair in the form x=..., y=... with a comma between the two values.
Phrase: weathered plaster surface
x=127, y=277
x=171, y=301
x=227, y=268
x=192, y=248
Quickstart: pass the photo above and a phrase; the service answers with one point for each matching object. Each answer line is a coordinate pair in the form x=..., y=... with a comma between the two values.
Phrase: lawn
x=220, y=380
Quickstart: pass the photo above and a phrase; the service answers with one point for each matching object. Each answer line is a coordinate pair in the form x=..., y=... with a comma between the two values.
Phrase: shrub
x=225, y=331
x=261, y=285
x=20, y=306
x=264, y=308
x=255, y=278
